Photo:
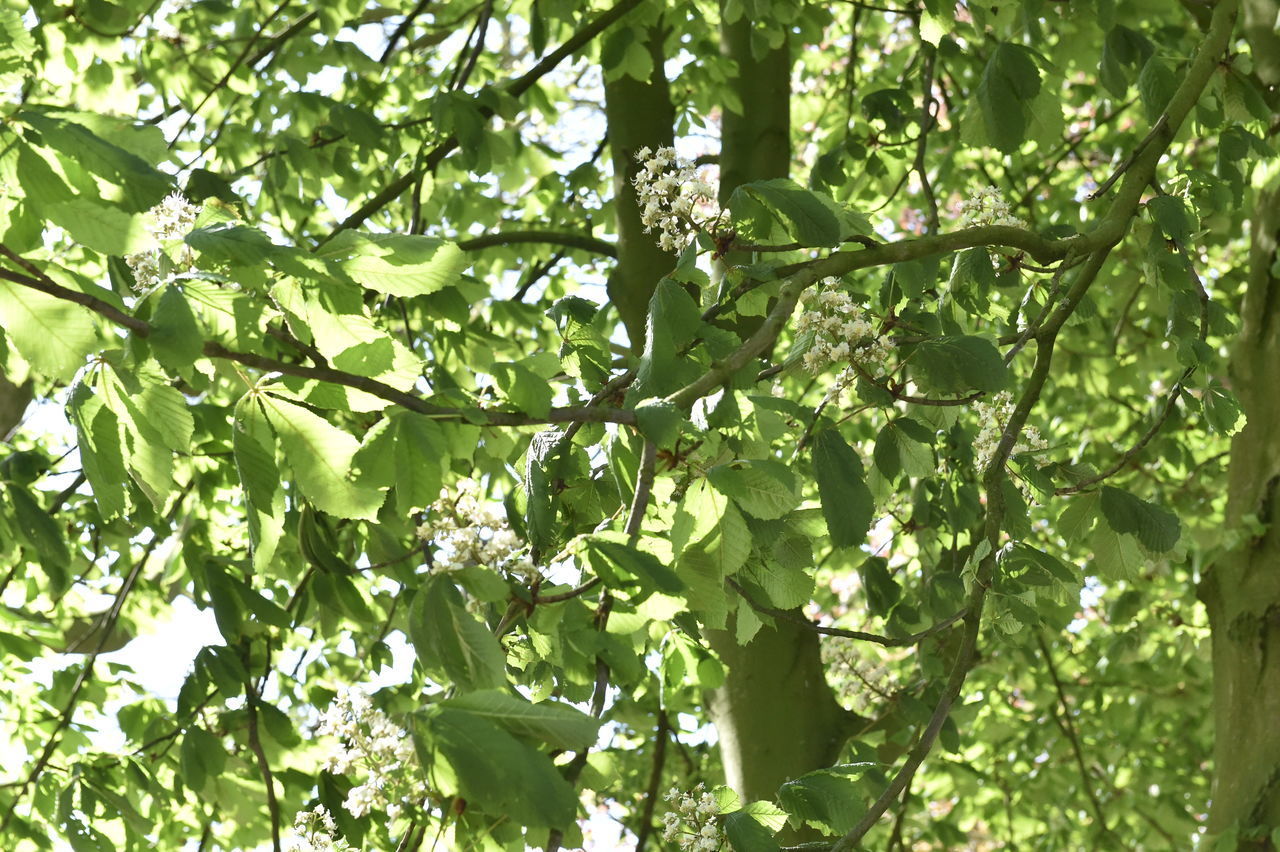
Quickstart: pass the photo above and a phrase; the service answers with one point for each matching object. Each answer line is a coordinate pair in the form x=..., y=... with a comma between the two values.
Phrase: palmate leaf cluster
x=395, y=285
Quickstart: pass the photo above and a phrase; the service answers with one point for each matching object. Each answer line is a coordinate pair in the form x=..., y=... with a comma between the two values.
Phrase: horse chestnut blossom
x=673, y=200
x=986, y=206
x=170, y=221
x=993, y=416
x=316, y=831
x=370, y=743
x=841, y=332
x=692, y=824
x=469, y=531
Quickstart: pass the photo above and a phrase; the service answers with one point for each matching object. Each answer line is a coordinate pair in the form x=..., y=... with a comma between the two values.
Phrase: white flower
x=315, y=831
x=993, y=415
x=691, y=825
x=169, y=221
x=841, y=334
x=674, y=202
x=370, y=744
x=986, y=206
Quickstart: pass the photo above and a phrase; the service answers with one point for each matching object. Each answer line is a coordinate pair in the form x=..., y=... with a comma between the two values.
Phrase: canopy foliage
x=400, y=393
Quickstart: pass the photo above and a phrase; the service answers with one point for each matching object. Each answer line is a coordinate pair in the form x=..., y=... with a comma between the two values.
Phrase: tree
x=818, y=410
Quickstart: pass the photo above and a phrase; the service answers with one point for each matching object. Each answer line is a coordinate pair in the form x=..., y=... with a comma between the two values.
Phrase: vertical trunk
x=1242, y=590
x=639, y=114
x=775, y=715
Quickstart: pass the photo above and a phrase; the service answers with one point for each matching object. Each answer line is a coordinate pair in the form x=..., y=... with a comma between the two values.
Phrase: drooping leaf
x=557, y=725
x=320, y=456
x=960, y=364
x=451, y=643
x=1158, y=529
x=499, y=773
x=847, y=505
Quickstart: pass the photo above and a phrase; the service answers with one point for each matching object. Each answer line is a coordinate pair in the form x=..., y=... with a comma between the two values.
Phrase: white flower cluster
x=986, y=206
x=674, y=201
x=691, y=824
x=373, y=744
x=315, y=831
x=994, y=415
x=468, y=530
x=171, y=220
x=841, y=333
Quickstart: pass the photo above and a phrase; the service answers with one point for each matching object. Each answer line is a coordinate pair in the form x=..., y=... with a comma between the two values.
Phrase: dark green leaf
x=846, y=500
x=1158, y=529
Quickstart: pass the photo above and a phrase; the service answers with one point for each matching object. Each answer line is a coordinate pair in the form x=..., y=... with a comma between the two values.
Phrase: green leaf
x=1221, y=408
x=450, y=641
x=846, y=501
x=237, y=245
x=1078, y=518
x=763, y=488
x=1158, y=529
x=542, y=461
x=659, y=421
x=43, y=533
x=420, y=457
x=829, y=799
x=1116, y=556
x=320, y=456
x=399, y=264
x=524, y=389
x=609, y=557
x=54, y=335
x=972, y=279
x=499, y=774
x=1156, y=85
x=1010, y=80
x=805, y=215
x=960, y=364
x=1171, y=214
x=98, y=437
x=557, y=725
x=253, y=445
x=175, y=337
x=747, y=835
x=673, y=321
x=101, y=227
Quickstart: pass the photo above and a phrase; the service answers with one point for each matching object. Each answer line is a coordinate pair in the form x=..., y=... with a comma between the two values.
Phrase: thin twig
x=1063, y=717
x=886, y=641
x=108, y=623
x=655, y=780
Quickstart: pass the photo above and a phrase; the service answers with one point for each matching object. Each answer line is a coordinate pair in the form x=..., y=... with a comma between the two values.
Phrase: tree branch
x=585, y=242
x=515, y=88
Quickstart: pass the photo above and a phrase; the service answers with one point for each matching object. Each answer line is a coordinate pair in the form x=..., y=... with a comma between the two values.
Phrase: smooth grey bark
x=639, y=115
x=775, y=715
x=1242, y=589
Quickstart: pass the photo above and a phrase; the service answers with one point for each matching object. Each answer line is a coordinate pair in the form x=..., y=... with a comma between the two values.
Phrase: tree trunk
x=775, y=715
x=1242, y=590
x=639, y=114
